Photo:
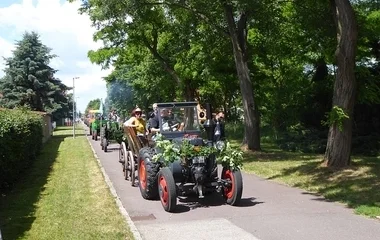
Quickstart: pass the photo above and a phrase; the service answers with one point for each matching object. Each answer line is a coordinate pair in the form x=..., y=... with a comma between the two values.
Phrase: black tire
x=167, y=189
x=233, y=193
x=147, y=174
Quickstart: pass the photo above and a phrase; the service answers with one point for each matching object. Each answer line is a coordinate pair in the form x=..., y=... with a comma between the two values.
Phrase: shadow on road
x=317, y=197
x=248, y=202
x=191, y=202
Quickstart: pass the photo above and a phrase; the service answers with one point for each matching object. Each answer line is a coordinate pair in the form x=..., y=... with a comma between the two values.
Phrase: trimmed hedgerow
x=20, y=142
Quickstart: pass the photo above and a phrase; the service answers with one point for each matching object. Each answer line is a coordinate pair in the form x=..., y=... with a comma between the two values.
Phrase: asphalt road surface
x=269, y=211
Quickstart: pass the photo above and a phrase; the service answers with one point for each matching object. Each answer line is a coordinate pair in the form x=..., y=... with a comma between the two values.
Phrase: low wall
x=47, y=128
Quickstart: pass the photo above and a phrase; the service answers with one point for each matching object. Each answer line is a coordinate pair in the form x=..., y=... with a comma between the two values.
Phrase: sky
x=69, y=35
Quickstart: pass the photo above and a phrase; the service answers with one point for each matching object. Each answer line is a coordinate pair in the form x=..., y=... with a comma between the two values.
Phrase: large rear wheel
x=167, y=189
x=121, y=153
x=147, y=174
x=233, y=192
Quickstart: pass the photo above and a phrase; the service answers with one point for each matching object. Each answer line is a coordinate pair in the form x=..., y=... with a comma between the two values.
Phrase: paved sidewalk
x=269, y=211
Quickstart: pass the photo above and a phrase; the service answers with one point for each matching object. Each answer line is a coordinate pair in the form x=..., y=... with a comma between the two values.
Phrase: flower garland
x=170, y=152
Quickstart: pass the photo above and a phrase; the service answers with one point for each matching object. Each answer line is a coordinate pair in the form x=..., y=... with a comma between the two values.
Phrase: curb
x=123, y=211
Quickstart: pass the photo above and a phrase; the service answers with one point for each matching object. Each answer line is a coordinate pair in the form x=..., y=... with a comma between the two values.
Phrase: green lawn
x=357, y=186
x=63, y=196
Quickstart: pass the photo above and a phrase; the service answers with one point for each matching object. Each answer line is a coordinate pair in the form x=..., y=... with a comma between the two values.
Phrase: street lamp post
x=74, y=106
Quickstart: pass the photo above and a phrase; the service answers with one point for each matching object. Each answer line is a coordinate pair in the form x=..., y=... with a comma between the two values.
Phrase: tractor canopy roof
x=176, y=104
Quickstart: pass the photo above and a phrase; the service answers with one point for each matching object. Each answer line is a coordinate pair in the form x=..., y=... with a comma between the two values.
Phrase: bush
x=300, y=139
x=234, y=130
x=20, y=142
x=368, y=145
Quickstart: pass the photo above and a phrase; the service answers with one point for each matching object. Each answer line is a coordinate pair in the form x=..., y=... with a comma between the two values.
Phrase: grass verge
x=356, y=186
x=63, y=196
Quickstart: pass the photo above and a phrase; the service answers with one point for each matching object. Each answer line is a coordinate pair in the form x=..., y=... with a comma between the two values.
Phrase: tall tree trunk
x=338, y=148
x=189, y=92
x=251, y=113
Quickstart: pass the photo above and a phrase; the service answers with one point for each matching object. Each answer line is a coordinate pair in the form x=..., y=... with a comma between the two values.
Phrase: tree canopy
x=274, y=64
x=29, y=81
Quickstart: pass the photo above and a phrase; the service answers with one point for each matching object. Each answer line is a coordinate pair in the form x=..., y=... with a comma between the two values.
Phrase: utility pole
x=74, y=106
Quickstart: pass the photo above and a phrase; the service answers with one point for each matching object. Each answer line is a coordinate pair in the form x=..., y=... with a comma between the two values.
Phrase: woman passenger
x=137, y=122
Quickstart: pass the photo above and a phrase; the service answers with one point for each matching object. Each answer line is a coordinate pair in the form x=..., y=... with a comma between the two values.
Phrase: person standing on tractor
x=153, y=120
x=219, y=133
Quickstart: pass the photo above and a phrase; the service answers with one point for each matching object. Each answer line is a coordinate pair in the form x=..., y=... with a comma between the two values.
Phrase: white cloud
x=66, y=32
x=5, y=51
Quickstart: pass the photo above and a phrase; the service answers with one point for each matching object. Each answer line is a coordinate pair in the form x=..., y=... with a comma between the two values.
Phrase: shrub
x=20, y=142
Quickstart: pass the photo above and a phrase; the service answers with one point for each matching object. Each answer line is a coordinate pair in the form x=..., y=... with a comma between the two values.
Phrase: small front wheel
x=167, y=189
x=233, y=192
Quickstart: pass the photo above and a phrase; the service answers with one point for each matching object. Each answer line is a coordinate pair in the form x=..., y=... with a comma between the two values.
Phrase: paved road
x=269, y=211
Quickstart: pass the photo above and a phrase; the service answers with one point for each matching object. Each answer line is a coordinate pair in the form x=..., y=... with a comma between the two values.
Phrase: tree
x=29, y=80
x=237, y=28
x=168, y=30
x=93, y=105
x=338, y=150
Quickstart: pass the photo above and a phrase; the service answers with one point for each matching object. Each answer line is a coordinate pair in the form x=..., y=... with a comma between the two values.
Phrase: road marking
x=208, y=229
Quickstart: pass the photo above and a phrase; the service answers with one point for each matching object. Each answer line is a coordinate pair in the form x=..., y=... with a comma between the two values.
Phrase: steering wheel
x=168, y=127
x=174, y=128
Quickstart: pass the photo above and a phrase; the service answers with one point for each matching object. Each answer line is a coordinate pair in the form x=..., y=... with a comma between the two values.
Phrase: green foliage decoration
x=230, y=157
x=170, y=152
x=336, y=116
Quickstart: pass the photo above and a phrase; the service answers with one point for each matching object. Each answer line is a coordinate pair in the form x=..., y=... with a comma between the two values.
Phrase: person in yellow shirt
x=137, y=122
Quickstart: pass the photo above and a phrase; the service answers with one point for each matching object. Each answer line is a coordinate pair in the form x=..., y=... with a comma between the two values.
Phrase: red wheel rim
x=229, y=191
x=142, y=174
x=164, y=195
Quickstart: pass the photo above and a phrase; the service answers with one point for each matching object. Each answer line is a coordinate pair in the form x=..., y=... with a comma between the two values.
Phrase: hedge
x=20, y=142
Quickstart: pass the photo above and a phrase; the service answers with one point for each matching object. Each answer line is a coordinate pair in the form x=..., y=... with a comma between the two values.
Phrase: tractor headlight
x=220, y=145
x=199, y=159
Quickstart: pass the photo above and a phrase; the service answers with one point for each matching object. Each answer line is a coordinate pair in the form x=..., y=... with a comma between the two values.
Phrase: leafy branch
x=336, y=116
